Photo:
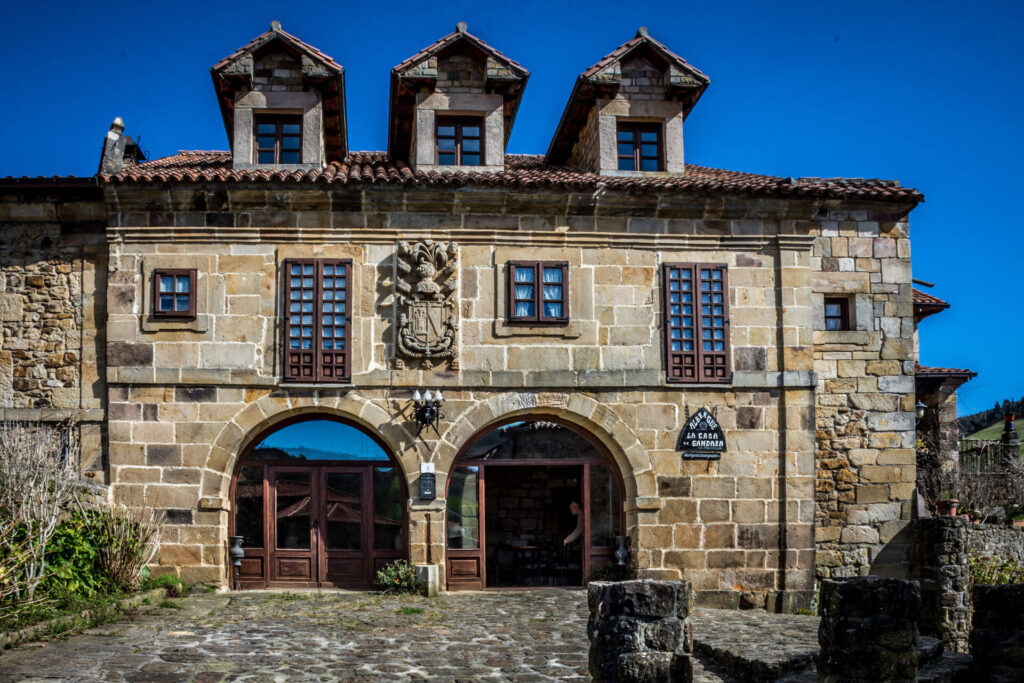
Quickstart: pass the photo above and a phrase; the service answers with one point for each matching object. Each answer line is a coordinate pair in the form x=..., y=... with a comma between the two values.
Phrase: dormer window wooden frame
x=277, y=139
x=640, y=146
x=457, y=144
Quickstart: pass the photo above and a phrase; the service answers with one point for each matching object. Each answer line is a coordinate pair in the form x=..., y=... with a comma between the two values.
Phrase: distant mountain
x=300, y=453
x=970, y=424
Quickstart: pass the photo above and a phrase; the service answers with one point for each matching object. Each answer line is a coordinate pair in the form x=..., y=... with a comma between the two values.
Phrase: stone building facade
x=817, y=412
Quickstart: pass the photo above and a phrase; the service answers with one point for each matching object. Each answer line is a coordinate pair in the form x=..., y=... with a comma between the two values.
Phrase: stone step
x=753, y=645
x=929, y=650
x=951, y=667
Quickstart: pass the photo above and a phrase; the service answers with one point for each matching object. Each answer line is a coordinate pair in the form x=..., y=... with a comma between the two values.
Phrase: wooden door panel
x=465, y=570
x=346, y=570
x=296, y=568
x=252, y=568
x=293, y=510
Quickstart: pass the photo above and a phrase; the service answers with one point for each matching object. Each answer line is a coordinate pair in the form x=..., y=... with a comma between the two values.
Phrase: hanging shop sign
x=702, y=437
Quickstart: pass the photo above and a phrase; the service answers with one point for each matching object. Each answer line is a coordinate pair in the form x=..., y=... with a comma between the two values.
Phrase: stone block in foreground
x=868, y=630
x=640, y=631
x=997, y=639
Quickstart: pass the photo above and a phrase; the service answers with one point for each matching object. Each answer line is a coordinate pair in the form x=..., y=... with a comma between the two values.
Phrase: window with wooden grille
x=538, y=292
x=318, y=320
x=460, y=141
x=278, y=139
x=696, y=321
x=837, y=314
x=639, y=146
x=174, y=293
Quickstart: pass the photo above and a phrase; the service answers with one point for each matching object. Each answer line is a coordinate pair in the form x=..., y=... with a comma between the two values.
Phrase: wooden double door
x=319, y=526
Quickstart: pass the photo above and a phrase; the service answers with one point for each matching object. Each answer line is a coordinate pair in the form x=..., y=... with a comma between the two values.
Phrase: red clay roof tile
x=924, y=299
x=521, y=170
x=926, y=370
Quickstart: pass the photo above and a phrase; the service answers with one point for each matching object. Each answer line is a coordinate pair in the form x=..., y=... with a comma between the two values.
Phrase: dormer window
x=453, y=104
x=639, y=146
x=460, y=141
x=278, y=139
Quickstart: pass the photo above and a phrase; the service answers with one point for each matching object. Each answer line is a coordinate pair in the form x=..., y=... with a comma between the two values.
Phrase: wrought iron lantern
x=919, y=410
x=427, y=410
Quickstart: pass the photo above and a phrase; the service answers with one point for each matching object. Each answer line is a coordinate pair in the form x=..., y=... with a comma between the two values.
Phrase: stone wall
x=992, y=540
x=865, y=401
x=185, y=397
x=641, y=80
x=52, y=308
x=277, y=72
x=459, y=73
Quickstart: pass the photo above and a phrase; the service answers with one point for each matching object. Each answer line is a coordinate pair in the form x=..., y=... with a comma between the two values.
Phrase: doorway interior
x=531, y=503
x=318, y=503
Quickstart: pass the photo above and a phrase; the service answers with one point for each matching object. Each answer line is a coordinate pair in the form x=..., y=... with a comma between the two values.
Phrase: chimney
x=112, y=158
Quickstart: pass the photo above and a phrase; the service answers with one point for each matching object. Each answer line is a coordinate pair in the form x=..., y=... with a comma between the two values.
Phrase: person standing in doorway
x=577, y=512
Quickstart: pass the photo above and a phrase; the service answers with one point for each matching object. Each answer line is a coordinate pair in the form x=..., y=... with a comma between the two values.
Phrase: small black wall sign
x=428, y=486
x=702, y=437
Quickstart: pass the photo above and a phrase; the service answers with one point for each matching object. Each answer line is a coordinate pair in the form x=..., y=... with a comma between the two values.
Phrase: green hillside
x=994, y=432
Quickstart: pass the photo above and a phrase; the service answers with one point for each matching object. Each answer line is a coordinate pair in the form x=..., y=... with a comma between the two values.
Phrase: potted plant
x=947, y=504
x=1015, y=515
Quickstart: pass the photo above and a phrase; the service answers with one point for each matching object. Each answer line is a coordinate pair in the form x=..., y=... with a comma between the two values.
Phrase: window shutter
x=679, y=322
x=713, y=322
x=334, y=317
x=300, y=329
x=696, y=322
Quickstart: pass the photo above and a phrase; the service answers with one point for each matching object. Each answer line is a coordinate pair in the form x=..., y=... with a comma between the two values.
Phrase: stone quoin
x=239, y=335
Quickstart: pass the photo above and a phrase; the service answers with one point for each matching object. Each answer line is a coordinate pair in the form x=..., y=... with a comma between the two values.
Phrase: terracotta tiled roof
x=945, y=372
x=528, y=171
x=924, y=299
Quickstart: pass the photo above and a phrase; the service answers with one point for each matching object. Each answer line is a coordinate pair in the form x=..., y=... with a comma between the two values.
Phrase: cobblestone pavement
x=329, y=636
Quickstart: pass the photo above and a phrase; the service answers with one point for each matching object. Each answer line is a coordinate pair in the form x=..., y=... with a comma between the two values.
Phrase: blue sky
x=926, y=92
x=327, y=436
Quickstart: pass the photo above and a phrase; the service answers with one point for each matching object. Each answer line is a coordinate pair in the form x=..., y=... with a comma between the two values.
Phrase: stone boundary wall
x=53, y=264
x=941, y=567
x=994, y=540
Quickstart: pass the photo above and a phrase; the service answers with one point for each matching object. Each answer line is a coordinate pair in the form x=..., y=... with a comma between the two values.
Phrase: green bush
x=995, y=571
x=173, y=585
x=400, y=577
x=72, y=556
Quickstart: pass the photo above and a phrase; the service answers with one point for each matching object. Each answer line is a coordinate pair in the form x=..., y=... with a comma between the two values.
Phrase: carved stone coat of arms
x=426, y=308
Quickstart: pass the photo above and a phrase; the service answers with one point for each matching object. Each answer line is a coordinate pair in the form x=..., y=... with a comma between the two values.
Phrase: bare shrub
x=131, y=538
x=38, y=476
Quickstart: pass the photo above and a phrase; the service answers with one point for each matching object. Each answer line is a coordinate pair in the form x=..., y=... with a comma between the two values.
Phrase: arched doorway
x=319, y=503
x=531, y=502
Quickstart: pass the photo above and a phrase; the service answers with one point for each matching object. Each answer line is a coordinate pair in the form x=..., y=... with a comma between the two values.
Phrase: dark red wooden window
x=278, y=139
x=837, y=314
x=460, y=141
x=696, y=321
x=174, y=293
x=538, y=292
x=640, y=147
x=318, y=320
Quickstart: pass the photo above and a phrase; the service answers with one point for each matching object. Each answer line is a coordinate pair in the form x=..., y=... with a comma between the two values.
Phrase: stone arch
x=278, y=406
x=619, y=439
